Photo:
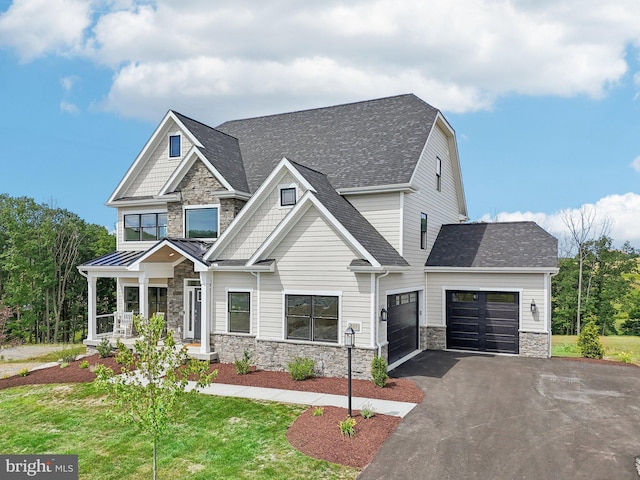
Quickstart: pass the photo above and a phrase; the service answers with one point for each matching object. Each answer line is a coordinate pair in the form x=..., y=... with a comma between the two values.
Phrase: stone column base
x=534, y=344
x=433, y=338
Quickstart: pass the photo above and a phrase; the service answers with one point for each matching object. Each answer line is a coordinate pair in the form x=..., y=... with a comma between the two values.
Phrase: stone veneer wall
x=534, y=344
x=433, y=338
x=331, y=361
x=175, y=296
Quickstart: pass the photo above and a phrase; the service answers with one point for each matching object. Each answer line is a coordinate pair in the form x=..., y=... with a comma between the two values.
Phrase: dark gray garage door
x=402, y=324
x=483, y=321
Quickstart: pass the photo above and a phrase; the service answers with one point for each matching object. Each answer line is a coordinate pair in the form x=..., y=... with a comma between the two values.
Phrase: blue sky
x=544, y=96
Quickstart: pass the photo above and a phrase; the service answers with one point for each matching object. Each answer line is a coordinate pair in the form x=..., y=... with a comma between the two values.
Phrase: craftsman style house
x=274, y=234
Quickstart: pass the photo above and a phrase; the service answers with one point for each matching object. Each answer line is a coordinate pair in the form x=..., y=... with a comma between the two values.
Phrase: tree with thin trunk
x=584, y=226
x=151, y=390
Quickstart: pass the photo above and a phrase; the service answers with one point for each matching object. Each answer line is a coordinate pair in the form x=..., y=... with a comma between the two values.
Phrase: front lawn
x=219, y=437
x=616, y=347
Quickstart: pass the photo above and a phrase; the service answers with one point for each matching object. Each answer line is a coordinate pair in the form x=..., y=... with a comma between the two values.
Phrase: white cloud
x=622, y=210
x=68, y=82
x=636, y=164
x=68, y=107
x=36, y=27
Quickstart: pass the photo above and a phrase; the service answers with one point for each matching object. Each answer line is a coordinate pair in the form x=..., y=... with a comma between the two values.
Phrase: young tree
x=151, y=390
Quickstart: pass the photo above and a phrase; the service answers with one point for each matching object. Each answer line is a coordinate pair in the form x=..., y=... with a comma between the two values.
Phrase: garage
x=483, y=321
x=402, y=324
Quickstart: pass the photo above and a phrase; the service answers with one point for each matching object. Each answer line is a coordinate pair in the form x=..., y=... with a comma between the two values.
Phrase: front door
x=192, y=310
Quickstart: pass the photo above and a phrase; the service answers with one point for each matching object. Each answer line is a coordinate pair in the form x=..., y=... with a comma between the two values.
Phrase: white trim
x=404, y=359
x=228, y=290
x=200, y=207
x=284, y=186
x=399, y=187
x=317, y=293
x=164, y=243
x=373, y=308
x=188, y=161
x=174, y=134
x=531, y=270
x=401, y=226
x=154, y=200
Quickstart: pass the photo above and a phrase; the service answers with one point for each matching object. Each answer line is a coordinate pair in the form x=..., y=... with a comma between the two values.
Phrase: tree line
x=43, y=297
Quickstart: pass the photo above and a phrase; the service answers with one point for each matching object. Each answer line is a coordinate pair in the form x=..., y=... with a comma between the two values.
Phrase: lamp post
x=349, y=340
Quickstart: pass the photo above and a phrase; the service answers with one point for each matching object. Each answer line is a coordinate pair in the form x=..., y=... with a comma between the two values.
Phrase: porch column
x=206, y=284
x=91, y=307
x=143, y=286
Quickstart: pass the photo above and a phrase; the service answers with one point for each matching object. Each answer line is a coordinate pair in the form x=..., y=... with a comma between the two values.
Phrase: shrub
x=104, y=348
x=23, y=372
x=301, y=368
x=67, y=356
x=367, y=411
x=589, y=341
x=348, y=427
x=379, y=374
x=64, y=365
x=624, y=357
x=243, y=366
x=84, y=364
x=318, y=411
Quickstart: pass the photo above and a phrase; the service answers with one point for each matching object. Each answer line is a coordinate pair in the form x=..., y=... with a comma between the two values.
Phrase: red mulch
x=318, y=437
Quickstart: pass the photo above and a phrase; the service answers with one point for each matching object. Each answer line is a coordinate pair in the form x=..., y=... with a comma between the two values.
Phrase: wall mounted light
x=534, y=309
x=383, y=315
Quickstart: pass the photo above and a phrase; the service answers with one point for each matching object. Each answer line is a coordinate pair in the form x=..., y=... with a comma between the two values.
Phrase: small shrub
x=367, y=411
x=23, y=372
x=104, y=348
x=64, y=365
x=318, y=411
x=624, y=357
x=243, y=366
x=301, y=368
x=379, y=374
x=67, y=356
x=84, y=364
x=589, y=341
x=348, y=427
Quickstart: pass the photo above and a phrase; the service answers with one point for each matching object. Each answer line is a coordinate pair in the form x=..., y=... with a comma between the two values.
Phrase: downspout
x=376, y=318
x=257, y=275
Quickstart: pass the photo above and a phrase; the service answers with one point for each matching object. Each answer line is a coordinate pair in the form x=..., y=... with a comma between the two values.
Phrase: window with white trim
x=312, y=317
x=174, y=146
x=239, y=312
x=201, y=222
x=438, y=174
x=140, y=227
x=288, y=196
x=423, y=231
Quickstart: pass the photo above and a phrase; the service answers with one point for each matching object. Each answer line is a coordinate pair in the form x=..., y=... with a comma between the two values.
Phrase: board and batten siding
x=262, y=222
x=224, y=282
x=158, y=167
x=530, y=286
x=123, y=245
x=313, y=258
x=382, y=210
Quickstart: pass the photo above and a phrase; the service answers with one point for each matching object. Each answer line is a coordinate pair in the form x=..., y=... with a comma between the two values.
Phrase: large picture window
x=239, y=306
x=201, y=222
x=140, y=227
x=312, y=317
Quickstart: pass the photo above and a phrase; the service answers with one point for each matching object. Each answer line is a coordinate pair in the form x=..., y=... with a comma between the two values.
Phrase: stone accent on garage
x=433, y=338
x=331, y=361
x=534, y=344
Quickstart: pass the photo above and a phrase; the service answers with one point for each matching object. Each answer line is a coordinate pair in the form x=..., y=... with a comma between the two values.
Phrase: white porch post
x=143, y=286
x=206, y=283
x=91, y=307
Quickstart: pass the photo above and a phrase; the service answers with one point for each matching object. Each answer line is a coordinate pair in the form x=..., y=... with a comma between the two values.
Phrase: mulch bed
x=317, y=437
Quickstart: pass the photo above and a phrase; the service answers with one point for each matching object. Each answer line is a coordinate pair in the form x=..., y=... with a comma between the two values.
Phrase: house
x=274, y=234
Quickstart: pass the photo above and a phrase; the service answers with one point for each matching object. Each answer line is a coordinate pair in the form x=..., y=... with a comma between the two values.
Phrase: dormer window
x=288, y=196
x=174, y=146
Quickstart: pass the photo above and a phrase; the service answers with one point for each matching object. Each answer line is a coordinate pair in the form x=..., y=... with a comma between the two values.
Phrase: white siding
x=383, y=212
x=224, y=282
x=530, y=286
x=313, y=258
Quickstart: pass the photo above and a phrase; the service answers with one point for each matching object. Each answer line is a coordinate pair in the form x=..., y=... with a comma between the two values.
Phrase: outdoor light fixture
x=533, y=306
x=383, y=315
x=349, y=342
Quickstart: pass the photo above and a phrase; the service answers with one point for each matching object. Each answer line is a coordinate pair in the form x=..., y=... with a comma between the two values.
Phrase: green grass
x=222, y=438
x=615, y=347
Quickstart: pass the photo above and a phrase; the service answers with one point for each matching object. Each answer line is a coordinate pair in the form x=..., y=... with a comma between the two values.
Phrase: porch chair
x=123, y=325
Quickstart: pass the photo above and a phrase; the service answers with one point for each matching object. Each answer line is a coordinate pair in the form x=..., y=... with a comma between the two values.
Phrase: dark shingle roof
x=376, y=142
x=351, y=219
x=509, y=244
x=221, y=150
x=195, y=248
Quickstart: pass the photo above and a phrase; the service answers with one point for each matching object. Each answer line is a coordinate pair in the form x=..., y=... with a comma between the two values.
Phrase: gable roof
x=376, y=142
x=494, y=245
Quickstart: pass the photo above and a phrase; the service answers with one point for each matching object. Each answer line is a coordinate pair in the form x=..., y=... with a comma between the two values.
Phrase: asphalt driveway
x=501, y=417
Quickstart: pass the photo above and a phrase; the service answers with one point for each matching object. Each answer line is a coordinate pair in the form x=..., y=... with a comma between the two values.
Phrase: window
x=465, y=297
x=145, y=227
x=201, y=222
x=174, y=146
x=239, y=307
x=287, y=196
x=157, y=300
x=312, y=317
x=423, y=231
x=438, y=174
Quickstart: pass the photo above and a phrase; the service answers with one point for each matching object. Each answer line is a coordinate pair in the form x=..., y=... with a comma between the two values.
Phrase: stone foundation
x=433, y=338
x=533, y=344
x=331, y=361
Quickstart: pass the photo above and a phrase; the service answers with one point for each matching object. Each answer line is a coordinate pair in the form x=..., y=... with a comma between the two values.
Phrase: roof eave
x=439, y=269
x=155, y=200
x=399, y=187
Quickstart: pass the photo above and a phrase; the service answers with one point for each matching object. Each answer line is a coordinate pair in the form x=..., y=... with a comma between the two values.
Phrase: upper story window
x=312, y=317
x=140, y=227
x=438, y=174
x=174, y=146
x=201, y=222
x=288, y=196
x=423, y=231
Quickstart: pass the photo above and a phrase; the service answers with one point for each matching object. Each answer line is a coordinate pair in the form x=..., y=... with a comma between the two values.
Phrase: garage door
x=483, y=321
x=402, y=324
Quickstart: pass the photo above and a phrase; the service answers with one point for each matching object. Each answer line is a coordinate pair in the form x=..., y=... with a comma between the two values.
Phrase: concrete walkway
x=384, y=407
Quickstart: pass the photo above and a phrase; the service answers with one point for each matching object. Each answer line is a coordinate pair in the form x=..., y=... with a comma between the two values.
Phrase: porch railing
x=104, y=324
